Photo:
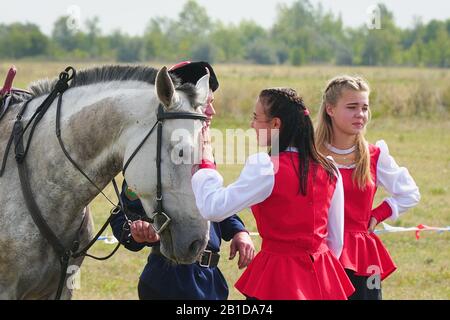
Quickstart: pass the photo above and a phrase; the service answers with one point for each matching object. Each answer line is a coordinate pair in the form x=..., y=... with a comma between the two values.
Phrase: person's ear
x=276, y=123
x=329, y=109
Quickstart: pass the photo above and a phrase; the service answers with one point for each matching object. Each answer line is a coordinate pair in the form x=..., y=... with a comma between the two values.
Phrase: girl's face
x=209, y=108
x=351, y=112
x=263, y=125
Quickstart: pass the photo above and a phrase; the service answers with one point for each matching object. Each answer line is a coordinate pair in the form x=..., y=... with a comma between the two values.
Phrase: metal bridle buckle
x=164, y=225
x=115, y=210
x=200, y=261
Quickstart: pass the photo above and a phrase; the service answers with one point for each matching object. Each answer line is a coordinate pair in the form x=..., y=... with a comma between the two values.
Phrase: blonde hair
x=332, y=93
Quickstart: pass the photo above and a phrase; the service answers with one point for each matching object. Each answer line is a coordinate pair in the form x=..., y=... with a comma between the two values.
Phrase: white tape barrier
x=386, y=229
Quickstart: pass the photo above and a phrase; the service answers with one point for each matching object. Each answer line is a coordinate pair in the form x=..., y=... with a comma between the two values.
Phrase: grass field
x=410, y=112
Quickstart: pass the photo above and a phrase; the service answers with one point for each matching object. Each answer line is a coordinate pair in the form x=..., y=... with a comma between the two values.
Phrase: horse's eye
x=181, y=153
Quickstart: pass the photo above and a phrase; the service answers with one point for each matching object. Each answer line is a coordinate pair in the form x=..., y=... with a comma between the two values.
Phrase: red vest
x=362, y=251
x=295, y=261
x=358, y=202
x=289, y=216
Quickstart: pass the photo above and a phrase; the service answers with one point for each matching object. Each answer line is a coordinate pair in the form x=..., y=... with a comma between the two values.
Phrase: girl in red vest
x=296, y=197
x=343, y=117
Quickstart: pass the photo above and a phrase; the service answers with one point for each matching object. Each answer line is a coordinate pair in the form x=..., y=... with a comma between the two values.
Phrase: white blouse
x=397, y=181
x=255, y=184
x=216, y=202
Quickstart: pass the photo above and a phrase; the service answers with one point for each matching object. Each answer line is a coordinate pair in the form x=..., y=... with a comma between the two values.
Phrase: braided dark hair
x=296, y=130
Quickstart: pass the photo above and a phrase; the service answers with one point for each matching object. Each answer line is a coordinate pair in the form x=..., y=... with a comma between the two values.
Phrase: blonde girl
x=343, y=117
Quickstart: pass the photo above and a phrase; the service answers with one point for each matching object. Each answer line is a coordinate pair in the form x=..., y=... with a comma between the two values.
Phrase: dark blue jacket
x=172, y=281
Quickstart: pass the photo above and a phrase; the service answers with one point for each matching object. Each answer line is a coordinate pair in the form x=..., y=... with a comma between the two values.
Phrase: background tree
x=301, y=34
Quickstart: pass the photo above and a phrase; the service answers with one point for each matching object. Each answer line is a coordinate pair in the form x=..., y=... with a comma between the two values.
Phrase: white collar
x=340, y=151
x=343, y=166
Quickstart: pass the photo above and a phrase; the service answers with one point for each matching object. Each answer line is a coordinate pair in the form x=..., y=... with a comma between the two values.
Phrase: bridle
x=161, y=117
x=17, y=136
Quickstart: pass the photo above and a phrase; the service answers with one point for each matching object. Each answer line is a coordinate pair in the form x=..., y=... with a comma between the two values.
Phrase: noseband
x=161, y=117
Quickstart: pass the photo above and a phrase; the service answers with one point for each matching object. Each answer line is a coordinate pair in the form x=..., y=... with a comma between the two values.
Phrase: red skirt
x=365, y=254
x=295, y=275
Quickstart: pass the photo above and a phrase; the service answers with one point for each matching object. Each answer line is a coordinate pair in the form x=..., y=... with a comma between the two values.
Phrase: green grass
x=410, y=112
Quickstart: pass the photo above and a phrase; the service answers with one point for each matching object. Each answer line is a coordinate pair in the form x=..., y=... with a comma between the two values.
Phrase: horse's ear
x=165, y=89
x=202, y=87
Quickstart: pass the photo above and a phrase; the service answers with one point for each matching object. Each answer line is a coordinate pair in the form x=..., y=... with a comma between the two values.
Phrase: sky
x=132, y=16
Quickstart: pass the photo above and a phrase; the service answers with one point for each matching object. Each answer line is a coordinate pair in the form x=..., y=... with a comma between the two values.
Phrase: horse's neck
x=97, y=123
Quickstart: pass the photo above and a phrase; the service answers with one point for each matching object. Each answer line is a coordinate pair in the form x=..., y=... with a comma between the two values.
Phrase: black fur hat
x=192, y=72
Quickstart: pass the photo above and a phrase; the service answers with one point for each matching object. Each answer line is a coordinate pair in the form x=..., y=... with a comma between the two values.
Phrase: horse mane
x=111, y=73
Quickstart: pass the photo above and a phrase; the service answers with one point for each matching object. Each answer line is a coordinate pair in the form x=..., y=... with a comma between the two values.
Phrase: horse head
x=184, y=233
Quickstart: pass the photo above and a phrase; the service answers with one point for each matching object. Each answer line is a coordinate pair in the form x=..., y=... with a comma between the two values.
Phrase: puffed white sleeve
x=216, y=202
x=335, y=238
x=397, y=181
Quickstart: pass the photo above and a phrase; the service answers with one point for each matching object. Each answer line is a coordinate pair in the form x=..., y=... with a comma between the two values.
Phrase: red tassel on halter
x=8, y=81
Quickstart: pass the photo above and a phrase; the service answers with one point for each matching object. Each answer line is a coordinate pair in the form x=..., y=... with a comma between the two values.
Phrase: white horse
x=105, y=115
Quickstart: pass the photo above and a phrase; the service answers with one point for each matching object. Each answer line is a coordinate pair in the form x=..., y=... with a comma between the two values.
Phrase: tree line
x=301, y=34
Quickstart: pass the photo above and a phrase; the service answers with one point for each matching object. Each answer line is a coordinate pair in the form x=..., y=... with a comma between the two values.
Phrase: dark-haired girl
x=296, y=197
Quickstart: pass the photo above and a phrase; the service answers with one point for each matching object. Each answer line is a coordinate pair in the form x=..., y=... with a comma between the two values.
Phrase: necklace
x=340, y=151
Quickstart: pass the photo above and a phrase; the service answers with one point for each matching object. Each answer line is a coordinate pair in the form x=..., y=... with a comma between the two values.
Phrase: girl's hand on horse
x=142, y=231
x=207, y=152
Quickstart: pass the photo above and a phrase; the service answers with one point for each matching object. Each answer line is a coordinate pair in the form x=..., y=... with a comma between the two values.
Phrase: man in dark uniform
x=161, y=278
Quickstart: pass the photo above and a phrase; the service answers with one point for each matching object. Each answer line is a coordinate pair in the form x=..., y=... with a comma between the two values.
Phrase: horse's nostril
x=195, y=246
